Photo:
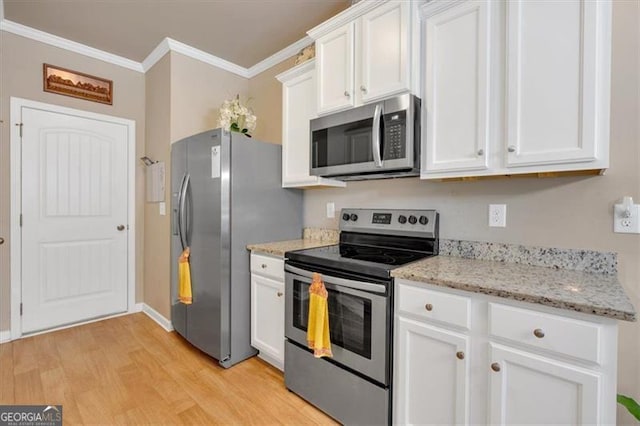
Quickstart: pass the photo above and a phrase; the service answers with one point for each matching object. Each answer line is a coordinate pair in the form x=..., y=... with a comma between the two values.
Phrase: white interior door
x=74, y=211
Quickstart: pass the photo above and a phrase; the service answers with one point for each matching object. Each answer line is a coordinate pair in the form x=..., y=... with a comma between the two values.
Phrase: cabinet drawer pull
x=263, y=266
x=428, y=307
x=279, y=294
x=495, y=367
x=538, y=333
x=363, y=89
x=481, y=152
x=347, y=94
x=511, y=148
x=460, y=355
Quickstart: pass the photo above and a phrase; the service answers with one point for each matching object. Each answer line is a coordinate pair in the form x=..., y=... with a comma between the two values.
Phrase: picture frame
x=63, y=81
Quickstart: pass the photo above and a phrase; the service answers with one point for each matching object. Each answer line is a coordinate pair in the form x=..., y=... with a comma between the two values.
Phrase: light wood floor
x=128, y=370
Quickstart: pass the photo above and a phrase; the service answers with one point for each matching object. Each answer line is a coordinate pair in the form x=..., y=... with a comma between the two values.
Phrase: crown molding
x=207, y=58
x=63, y=43
x=344, y=17
x=297, y=70
x=156, y=54
x=279, y=56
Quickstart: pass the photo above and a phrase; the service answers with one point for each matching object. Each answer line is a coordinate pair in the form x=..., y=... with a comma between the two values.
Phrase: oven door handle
x=356, y=285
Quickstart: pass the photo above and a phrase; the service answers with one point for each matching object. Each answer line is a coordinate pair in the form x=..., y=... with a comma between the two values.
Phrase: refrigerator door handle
x=181, y=205
x=187, y=210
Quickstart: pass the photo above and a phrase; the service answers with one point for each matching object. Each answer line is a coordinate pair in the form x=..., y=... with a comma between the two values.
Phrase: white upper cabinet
x=457, y=61
x=383, y=51
x=298, y=107
x=553, y=96
x=335, y=69
x=514, y=87
x=363, y=54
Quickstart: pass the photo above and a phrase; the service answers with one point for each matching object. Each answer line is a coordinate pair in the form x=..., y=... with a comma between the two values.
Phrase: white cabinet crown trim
x=344, y=17
x=296, y=71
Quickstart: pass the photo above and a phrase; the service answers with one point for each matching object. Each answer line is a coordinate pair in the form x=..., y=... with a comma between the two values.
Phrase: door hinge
x=20, y=308
x=20, y=125
x=21, y=220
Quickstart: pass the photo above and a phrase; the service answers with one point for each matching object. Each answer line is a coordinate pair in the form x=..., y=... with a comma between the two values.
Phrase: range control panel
x=422, y=223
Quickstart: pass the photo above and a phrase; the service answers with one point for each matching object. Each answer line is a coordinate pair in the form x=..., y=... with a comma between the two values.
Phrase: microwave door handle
x=375, y=136
x=356, y=285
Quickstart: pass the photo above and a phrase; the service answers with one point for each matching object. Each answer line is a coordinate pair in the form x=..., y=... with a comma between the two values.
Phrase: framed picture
x=76, y=84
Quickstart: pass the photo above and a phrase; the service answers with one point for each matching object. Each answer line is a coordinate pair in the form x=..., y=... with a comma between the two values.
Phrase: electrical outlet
x=498, y=215
x=331, y=210
x=624, y=224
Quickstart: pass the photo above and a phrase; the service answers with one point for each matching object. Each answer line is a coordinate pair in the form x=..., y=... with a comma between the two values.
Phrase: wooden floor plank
x=128, y=370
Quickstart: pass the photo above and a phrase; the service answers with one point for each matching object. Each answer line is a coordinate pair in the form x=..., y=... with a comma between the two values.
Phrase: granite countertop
x=591, y=293
x=279, y=248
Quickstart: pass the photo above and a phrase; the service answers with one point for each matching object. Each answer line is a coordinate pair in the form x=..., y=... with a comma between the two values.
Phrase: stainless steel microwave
x=377, y=140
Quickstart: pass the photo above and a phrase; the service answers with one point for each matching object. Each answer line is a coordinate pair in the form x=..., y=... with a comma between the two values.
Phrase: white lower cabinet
x=530, y=389
x=267, y=308
x=432, y=375
x=515, y=363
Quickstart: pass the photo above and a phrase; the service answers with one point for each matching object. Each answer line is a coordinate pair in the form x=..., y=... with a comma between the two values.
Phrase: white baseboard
x=5, y=336
x=157, y=317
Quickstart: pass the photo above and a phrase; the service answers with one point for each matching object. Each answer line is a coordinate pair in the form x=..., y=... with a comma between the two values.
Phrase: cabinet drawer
x=434, y=305
x=575, y=338
x=268, y=266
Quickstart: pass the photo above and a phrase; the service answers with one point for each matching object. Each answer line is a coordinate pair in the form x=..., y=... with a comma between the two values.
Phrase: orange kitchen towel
x=318, y=337
x=184, y=278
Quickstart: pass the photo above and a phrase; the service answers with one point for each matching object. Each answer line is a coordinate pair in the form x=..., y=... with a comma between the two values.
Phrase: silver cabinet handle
x=346, y=93
x=495, y=367
x=363, y=89
x=428, y=307
x=538, y=333
x=120, y=227
x=511, y=148
x=1, y=241
x=263, y=266
x=279, y=294
x=481, y=152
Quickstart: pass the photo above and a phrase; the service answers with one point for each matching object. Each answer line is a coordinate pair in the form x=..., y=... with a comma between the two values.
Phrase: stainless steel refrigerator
x=226, y=192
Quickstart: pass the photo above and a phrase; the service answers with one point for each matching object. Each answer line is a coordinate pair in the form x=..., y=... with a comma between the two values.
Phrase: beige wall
x=21, y=62
x=559, y=212
x=197, y=91
x=265, y=94
x=156, y=232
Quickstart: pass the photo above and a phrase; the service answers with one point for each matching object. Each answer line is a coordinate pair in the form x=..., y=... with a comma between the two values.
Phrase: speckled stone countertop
x=311, y=238
x=598, y=294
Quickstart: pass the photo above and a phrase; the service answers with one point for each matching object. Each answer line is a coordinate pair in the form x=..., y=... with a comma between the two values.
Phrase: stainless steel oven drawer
x=344, y=396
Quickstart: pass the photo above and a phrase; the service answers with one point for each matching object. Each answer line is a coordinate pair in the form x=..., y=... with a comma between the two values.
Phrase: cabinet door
x=267, y=317
x=529, y=389
x=431, y=381
x=298, y=107
x=335, y=69
x=384, y=51
x=457, y=75
x=556, y=67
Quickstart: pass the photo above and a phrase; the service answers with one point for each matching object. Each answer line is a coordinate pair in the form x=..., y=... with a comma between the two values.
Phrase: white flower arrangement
x=236, y=117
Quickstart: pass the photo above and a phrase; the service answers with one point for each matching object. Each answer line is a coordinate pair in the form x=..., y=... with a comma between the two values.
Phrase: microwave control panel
x=395, y=125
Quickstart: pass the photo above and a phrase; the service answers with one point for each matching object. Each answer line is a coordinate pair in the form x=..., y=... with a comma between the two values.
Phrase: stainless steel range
x=354, y=386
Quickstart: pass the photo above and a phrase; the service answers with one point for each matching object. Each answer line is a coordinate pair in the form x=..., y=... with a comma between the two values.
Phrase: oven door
x=359, y=315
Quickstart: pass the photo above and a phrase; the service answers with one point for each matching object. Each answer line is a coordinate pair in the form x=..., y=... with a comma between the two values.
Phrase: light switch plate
x=331, y=210
x=162, y=207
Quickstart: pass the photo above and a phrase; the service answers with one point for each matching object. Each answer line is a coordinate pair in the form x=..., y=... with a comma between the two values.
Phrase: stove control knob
x=412, y=220
x=354, y=217
x=345, y=216
x=402, y=219
x=423, y=220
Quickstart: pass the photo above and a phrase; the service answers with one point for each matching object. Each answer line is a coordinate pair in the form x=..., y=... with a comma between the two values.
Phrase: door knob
x=120, y=228
x=1, y=241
